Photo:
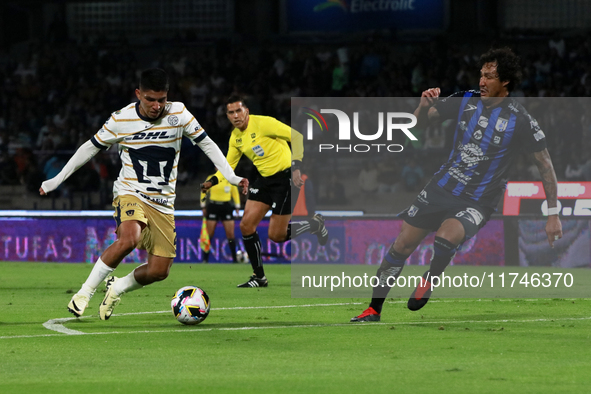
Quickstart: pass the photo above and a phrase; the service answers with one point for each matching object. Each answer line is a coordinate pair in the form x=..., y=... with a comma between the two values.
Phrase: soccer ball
x=190, y=305
x=242, y=257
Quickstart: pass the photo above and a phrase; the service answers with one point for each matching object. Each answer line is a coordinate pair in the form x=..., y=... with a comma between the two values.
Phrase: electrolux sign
x=347, y=15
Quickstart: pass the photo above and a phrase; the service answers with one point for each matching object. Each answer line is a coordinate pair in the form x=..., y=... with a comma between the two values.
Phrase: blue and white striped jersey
x=486, y=142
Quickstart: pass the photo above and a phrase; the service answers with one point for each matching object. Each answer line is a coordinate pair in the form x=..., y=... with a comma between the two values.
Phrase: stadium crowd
x=56, y=96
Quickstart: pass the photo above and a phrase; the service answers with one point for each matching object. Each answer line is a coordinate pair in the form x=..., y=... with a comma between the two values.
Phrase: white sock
x=126, y=284
x=98, y=274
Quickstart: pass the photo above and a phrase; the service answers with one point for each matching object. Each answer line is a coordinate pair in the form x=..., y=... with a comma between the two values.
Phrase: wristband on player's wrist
x=214, y=180
x=553, y=211
x=296, y=165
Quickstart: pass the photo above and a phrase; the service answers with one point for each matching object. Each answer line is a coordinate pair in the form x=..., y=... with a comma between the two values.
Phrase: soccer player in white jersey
x=149, y=134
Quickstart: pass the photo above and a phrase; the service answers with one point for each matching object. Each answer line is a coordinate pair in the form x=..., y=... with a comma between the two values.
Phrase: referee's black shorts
x=220, y=211
x=434, y=205
x=274, y=190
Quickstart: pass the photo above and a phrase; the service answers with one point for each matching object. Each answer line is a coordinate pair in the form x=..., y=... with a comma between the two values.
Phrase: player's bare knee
x=247, y=229
x=161, y=276
x=452, y=230
x=128, y=244
x=453, y=236
x=277, y=236
x=158, y=276
x=404, y=247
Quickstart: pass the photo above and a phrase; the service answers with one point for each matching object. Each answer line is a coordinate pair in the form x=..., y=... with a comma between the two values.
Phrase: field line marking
x=57, y=324
x=371, y=324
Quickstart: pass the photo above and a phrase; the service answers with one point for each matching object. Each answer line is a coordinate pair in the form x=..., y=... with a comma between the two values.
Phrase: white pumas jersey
x=149, y=151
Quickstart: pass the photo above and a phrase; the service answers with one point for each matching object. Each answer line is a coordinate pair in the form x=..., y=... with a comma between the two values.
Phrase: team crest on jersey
x=258, y=150
x=501, y=125
x=412, y=211
x=477, y=135
x=471, y=154
x=239, y=141
x=173, y=120
x=483, y=121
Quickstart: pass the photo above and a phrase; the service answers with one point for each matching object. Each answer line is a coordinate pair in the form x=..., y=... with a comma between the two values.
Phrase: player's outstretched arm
x=243, y=184
x=214, y=153
x=544, y=164
x=86, y=152
x=211, y=182
x=425, y=113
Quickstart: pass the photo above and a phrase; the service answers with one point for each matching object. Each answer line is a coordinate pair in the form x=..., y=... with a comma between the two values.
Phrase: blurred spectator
x=389, y=177
x=334, y=192
x=368, y=177
x=8, y=174
x=86, y=179
x=412, y=175
x=31, y=176
x=574, y=169
x=199, y=95
x=4, y=138
x=52, y=167
x=56, y=96
x=340, y=78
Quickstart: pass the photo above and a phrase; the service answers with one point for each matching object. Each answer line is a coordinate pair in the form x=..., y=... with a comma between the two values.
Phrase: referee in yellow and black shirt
x=218, y=204
x=264, y=140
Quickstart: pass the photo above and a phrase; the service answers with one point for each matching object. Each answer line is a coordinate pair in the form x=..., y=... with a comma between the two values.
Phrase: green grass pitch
x=262, y=340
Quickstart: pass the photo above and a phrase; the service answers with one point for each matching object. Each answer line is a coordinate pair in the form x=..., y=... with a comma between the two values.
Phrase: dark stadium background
x=65, y=66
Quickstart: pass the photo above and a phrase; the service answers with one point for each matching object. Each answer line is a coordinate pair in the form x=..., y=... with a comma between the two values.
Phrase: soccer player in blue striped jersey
x=492, y=129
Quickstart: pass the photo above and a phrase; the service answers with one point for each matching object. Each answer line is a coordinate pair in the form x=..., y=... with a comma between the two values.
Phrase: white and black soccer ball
x=242, y=257
x=190, y=305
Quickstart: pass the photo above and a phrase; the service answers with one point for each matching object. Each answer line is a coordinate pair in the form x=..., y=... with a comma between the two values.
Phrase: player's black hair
x=508, y=65
x=235, y=98
x=154, y=79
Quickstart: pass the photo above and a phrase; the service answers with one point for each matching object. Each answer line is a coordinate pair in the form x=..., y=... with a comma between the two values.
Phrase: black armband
x=296, y=165
x=214, y=180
